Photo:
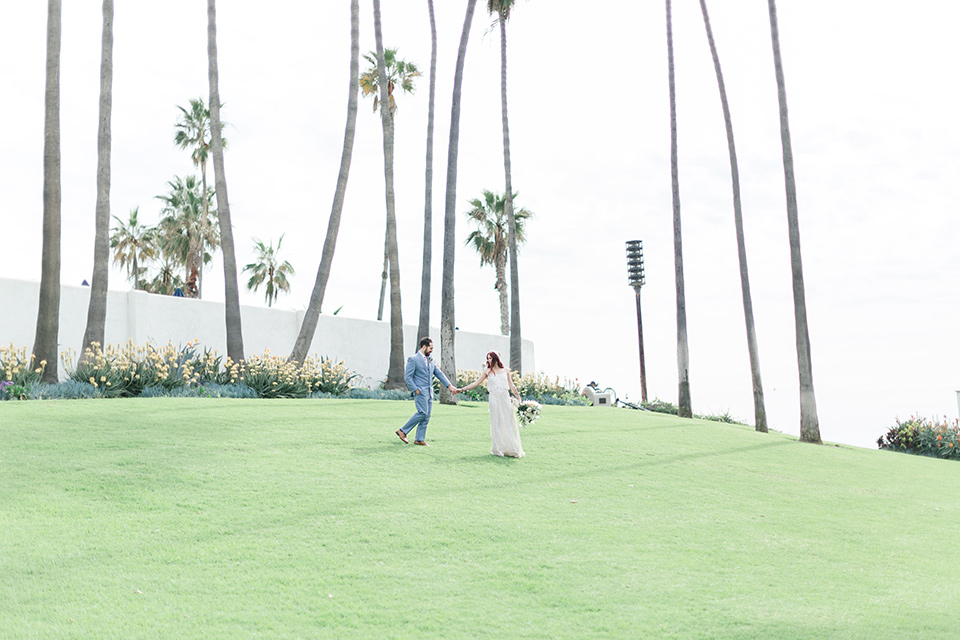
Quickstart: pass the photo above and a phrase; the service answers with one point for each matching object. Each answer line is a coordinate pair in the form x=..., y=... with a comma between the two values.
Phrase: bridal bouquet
x=528, y=412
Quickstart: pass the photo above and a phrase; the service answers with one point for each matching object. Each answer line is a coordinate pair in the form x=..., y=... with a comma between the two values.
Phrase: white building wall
x=363, y=345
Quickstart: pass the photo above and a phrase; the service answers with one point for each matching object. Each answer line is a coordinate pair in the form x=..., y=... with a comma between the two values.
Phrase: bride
x=504, y=430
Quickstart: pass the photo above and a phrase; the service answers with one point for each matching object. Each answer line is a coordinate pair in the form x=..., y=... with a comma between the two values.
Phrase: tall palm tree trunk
x=198, y=258
x=759, y=410
x=384, y=277
x=48, y=313
x=271, y=288
x=501, y=287
x=97, y=308
x=395, y=367
x=515, y=340
x=809, y=423
x=448, y=359
x=231, y=287
x=312, y=315
x=423, y=327
x=684, y=409
x=195, y=248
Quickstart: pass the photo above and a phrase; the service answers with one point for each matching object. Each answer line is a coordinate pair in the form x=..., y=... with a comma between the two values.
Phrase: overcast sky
x=872, y=91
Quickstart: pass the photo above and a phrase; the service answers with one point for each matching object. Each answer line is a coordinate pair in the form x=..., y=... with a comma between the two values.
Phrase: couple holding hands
x=504, y=428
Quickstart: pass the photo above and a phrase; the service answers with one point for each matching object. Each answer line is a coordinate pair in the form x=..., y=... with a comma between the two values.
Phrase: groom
x=419, y=378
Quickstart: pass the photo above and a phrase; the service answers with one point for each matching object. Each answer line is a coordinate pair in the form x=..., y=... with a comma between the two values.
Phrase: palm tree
x=398, y=72
x=384, y=274
x=423, y=328
x=448, y=358
x=166, y=282
x=312, y=314
x=269, y=270
x=759, y=411
x=97, y=308
x=48, y=315
x=490, y=240
x=684, y=409
x=502, y=8
x=395, y=367
x=193, y=133
x=231, y=288
x=133, y=244
x=185, y=227
x=809, y=423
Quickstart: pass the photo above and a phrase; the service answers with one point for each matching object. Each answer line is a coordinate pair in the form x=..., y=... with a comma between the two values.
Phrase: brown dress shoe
x=422, y=443
x=402, y=436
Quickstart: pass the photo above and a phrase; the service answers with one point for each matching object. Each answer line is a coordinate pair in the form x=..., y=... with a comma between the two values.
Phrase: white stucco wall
x=363, y=345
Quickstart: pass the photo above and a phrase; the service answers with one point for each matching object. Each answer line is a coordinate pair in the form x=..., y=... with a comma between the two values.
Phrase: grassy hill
x=200, y=518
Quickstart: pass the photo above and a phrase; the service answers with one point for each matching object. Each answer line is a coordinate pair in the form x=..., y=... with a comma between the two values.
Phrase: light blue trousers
x=420, y=419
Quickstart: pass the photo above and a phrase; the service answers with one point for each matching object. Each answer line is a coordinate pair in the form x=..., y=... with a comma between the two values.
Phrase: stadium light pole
x=636, y=279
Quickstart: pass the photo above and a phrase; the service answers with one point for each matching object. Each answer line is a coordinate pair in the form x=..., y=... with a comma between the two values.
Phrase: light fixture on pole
x=636, y=279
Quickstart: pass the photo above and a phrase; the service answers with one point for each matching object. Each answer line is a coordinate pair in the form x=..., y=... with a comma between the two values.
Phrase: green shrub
x=565, y=399
x=66, y=390
x=26, y=391
x=724, y=417
x=178, y=392
x=923, y=437
x=214, y=390
x=535, y=386
x=660, y=406
x=20, y=371
x=131, y=371
x=274, y=377
x=327, y=376
x=148, y=371
x=126, y=371
x=211, y=369
x=378, y=394
x=12, y=391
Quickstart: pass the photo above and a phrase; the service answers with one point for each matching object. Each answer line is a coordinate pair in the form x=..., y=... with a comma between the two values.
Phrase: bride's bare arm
x=476, y=382
x=513, y=387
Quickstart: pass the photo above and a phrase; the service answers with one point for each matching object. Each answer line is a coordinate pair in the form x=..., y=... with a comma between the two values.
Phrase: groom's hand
x=453, y=389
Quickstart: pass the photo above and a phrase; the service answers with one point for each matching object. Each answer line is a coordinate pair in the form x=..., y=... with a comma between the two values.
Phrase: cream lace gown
x=504, y=429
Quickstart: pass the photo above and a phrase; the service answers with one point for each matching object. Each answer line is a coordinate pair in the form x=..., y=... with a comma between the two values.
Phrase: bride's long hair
x=495, y=361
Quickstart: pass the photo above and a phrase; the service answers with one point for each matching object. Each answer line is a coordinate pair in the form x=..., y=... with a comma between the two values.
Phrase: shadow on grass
x=686, y=457
x=484, y=459
x=481, y=458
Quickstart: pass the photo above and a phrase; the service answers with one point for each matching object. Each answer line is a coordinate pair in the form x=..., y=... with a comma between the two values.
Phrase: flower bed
x=184, y=371
x=924, y=437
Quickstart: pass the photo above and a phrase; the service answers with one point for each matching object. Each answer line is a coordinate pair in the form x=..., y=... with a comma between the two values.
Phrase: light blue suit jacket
x=419, y=373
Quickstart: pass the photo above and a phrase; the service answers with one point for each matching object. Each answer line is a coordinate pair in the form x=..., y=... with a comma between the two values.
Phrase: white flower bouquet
x=528, y=412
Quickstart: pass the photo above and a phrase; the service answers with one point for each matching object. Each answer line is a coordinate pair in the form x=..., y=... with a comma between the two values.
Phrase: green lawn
x=200, y=518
